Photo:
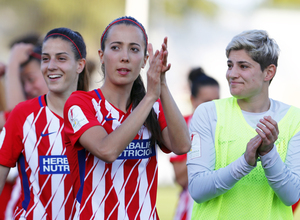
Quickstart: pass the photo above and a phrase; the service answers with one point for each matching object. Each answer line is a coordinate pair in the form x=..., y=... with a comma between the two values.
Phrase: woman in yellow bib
x=245, y=156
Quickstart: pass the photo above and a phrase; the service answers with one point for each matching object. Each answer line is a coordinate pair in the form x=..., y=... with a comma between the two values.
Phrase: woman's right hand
x=154, y=72
x=251, y=153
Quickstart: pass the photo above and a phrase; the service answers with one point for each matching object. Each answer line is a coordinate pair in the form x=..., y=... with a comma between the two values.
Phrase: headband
x=67, y=38
x=125, y=19
x=36, y=55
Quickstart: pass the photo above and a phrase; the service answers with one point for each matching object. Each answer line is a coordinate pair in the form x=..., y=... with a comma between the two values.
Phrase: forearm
x=13, y=86
x=179, y=141
x=208, y=184
x=284, y=182
x=108, y=147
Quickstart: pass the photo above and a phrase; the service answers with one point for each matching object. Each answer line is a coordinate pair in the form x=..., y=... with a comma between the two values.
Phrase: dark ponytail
x=138, y=92
x=79, y=49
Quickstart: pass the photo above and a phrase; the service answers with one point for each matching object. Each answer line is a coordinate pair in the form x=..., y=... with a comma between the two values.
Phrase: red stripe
x=111, y=212
x=131, y=175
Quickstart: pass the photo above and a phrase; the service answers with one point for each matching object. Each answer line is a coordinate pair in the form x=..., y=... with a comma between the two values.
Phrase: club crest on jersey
x=54, y=164
x=76, y=118
x=2, y=136
x=138, y=149
x=195, y=150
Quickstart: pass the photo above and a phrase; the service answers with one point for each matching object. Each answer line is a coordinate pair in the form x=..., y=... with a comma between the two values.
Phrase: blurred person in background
x=32, y=136
x=22, y=74
x=245, y=156
x=203, y=88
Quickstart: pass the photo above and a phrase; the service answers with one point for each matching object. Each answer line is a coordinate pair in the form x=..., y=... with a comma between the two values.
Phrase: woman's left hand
x=154, y=73
x=164, y=57
x=268, y=131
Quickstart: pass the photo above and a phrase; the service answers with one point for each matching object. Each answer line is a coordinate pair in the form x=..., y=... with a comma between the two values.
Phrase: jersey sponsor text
x=138, y=149
x=54, y=165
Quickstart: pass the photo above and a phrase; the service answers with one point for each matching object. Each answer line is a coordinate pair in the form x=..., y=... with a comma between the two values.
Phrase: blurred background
x=198, y=32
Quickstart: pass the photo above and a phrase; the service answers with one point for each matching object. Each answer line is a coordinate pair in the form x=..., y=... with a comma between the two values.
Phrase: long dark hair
x=138, y=90
x=79, y=49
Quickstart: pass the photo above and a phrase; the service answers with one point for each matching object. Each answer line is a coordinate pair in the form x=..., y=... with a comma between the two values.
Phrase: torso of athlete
x=124, y=189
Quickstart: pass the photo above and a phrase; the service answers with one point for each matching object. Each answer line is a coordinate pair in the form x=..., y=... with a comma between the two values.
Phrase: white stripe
x=94, y=188
x=15, y=195
x=98, y=185
x=136, y=186
x=31, y=152
x=118, y=180
x=64, y=203
x=57, y=180
x=146, y=201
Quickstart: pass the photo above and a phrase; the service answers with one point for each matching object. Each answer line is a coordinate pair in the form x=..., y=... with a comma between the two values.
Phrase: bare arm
x=176, y=135
x=99, y=143
x=3, y=175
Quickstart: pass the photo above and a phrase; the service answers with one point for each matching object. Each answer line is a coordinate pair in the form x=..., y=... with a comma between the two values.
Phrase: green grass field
x=167, y=197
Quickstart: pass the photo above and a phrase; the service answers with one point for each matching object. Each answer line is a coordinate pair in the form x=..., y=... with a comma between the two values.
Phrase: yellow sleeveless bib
x=251, y=198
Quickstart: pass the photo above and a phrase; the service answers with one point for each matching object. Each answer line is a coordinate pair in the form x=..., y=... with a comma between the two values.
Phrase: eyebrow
x=240, y=62
x=119, y=42
x=56, y=53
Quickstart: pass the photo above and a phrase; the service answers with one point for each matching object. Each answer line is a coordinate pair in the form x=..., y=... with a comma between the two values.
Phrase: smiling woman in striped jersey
x=32, y=136
x=113, y=131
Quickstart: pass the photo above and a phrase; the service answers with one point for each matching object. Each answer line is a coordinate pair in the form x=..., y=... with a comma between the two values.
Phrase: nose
x=232, y=72
x=52, y=64
x=125, y=56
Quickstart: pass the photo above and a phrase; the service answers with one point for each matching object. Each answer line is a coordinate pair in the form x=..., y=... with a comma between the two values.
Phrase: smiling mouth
x=54, y=76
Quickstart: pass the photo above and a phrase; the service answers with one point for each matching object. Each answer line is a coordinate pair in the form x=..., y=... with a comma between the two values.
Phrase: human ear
x=270, y=72
x=81, y=65
x=100, y=53
x=145, y=60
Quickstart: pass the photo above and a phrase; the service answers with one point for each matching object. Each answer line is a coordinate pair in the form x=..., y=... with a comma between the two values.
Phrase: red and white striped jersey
x=33, y=138
x=124, y=189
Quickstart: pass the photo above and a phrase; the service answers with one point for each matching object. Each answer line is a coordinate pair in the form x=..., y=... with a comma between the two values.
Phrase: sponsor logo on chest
x=54, y=164
x=138, y=149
